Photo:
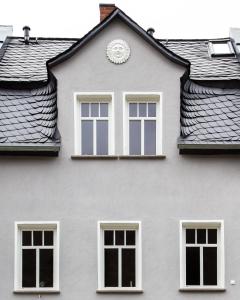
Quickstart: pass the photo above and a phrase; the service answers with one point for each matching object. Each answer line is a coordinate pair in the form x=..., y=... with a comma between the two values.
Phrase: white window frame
x=213, y=53
x=91, y=97
x=203, y=224
x=47, y=225
x=119, y=225
x=145, y=97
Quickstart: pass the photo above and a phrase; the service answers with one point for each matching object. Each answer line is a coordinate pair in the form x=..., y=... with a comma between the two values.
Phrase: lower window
x=119, y=256
x=36, y=257
x=202, y=255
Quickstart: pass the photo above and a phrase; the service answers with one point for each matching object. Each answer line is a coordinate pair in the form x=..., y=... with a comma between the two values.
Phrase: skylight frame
x=219, y=54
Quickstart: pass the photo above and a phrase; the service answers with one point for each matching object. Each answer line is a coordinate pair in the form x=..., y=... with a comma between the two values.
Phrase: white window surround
x=139, y=97
x=119, y=225
x=91, y=97
x=38, y=225
x=203, y=224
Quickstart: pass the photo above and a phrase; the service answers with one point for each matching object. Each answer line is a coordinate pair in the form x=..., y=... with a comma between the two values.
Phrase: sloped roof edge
x=132, y=24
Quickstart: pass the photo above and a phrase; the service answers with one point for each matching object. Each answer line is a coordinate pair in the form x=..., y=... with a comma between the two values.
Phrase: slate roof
x=209, y=115
x=203, y=66
x=29, y=115
x=27, y=62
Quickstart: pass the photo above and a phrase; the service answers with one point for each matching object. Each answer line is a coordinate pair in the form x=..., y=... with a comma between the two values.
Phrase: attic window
x=221, y=48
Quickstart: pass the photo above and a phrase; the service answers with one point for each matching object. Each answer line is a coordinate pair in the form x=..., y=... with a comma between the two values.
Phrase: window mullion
x=94, y=137
x=142, y=136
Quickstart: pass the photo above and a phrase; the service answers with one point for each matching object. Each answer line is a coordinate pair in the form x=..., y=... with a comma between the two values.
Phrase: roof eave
x=209, y=146
x=14, y=147
x=138, y=29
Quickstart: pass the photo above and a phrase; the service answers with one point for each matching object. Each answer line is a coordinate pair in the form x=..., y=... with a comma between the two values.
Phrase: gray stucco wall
x=159, y=193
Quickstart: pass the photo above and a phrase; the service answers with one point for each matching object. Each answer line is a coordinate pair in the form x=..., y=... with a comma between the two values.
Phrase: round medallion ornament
x=118, y=51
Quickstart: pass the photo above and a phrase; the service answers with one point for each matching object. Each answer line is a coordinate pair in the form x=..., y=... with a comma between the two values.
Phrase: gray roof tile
x=27, y=62
x=203, y=66
x=221, y=121
x=29, y=116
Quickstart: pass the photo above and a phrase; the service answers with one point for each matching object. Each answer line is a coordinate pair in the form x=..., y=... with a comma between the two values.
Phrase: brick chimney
x=105, y=10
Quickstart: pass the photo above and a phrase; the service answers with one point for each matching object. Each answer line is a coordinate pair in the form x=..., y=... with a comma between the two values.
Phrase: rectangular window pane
x=135, y=137
x=130, y=237
x=142, y=109
x=48, y=238
x=119, y=237
x=201, y=236
x=28, y=268
x=94, y=109
x=111, y=267
x=128, y=267
x=46, y=268
x=192, y=266
x=152, y=109
x=85, y=109
x=103, y=109
x=210, y=265
x=108, y=237
x=87, y=137
x=26, y=238
x=190, y=236
x=37, y=238
x=102, y=137
x=212, y=236
x=149, y=137
x=132, y=109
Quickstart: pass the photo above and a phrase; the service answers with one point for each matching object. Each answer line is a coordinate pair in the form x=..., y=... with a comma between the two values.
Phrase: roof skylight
x=221, y=48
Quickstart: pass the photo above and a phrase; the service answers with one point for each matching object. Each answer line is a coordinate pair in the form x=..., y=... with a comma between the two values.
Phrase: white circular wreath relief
x=118, y=51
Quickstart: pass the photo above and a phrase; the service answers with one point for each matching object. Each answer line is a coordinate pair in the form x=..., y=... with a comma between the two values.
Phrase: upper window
x=143, y=120
x=93, y=124
x=202, y=255
x=36, y=257
x=221, y=48
x=119, y=253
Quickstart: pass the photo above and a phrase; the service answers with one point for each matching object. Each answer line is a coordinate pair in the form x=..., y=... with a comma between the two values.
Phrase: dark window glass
x=128, y=267
x=46, y=268
x=133, y=109
x=103, y=109
x=210, y=265
x=87, y=137
x=37, y=238
x=190, y=236
x=28, y=268
x=26, y=238
x=201, y=236
x=119, y=237
x=108, y=237
x=149, y=137
x=142, y=109
x=85, y=109
x=152, y=109
x=111, y=267
x=212, y=236
x=102, y=137
x=94, y=109
x=48, y=238
x=135, y=137
x=130, y=237
x=192, y=266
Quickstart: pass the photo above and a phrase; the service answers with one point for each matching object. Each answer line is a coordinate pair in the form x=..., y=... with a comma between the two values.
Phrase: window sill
x=94, y=157
x=120, y=290
x=142, y=156
x=202, y=289
x=117, y=157
x=36, y=291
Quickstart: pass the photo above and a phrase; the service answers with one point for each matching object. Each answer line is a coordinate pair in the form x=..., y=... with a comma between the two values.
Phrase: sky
x=169, y=18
